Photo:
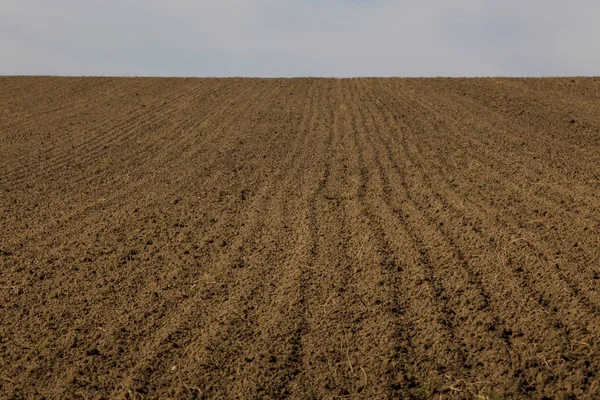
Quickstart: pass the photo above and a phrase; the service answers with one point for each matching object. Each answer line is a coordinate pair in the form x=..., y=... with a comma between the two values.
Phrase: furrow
x=103, y=140
x=556, y=341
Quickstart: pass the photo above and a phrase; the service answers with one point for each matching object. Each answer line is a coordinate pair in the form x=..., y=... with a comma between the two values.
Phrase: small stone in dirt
x=93, y=352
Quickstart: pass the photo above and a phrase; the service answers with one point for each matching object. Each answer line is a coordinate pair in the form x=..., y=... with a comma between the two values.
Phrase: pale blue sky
x=300, y=38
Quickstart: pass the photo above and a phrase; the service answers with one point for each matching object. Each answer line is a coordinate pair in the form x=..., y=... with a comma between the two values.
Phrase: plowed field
x=300, y=238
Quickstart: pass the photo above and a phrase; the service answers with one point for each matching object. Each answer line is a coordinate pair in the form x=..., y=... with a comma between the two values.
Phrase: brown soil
x=302, y=238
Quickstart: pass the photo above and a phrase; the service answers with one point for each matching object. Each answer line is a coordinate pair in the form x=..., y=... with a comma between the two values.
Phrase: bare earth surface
x=303, y=238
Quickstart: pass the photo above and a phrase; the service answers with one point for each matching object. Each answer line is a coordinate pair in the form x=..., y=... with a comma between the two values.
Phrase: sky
x=282, y=38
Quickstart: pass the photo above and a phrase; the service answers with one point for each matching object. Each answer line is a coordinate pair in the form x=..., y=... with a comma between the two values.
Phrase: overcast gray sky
x=300, y=38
